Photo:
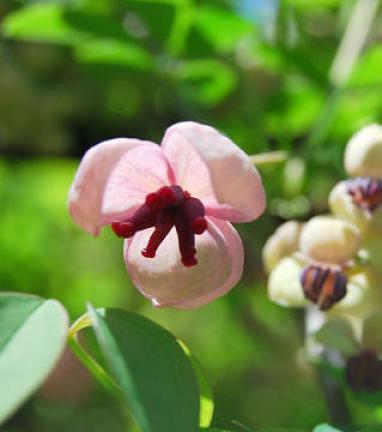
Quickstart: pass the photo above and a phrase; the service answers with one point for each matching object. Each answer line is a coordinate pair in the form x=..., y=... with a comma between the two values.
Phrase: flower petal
x=212, y=168
x=113, y=179
x=327, y=239
x=284, y=286
x=168, y=283
x=283, y=242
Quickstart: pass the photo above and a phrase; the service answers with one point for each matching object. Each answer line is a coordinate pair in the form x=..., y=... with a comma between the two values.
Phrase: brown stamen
x=324, y=286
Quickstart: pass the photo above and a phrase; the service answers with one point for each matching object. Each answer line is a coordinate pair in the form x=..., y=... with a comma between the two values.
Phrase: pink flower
x=173, y=203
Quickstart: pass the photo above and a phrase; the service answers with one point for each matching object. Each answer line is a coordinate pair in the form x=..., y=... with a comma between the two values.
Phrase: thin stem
x=352, y=43
x=335, y=400
x=269, y=158
x=94, y=368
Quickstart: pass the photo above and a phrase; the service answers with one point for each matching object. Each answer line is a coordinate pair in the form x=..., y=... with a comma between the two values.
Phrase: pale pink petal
x=113, y=179
x=168, y=283
x=212, y=168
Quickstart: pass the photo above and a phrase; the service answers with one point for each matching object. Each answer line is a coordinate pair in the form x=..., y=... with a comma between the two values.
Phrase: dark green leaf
x=154, y=373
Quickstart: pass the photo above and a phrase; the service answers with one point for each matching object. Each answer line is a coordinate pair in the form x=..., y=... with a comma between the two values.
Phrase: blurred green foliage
x=74, y=72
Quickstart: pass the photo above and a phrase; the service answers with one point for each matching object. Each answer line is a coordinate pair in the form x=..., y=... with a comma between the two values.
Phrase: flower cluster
x=331, y=264
x=173, y=204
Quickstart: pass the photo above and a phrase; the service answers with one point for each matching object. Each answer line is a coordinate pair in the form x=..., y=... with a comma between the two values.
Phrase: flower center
x=324, y=286
x=167, y=207
x=365, y=192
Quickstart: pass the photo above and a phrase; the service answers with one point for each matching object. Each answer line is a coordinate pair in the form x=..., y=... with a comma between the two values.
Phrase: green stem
x=349, y=50
x=269, y=158
x=94, y=368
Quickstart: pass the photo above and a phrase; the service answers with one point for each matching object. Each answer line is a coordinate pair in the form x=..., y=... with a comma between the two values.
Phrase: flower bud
x=284, y=287
x=282, y=243
x=364, y=372
x=352, y=293
x=343, y=205
x=363, y=155
x=329, y=240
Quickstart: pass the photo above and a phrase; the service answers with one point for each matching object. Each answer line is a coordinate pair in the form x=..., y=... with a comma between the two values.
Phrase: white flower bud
x=282, y=243
x=329, y=240
x=284, y=287
x=342, y=205
x=363, y=154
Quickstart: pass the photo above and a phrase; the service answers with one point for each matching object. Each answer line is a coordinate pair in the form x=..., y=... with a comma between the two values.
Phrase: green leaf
x=211, y=80
x=33, y=336
x=114, y=52
x=221, y=28
x=152, y=370
x=325, y=428
x=367, y=70
x=40, y=22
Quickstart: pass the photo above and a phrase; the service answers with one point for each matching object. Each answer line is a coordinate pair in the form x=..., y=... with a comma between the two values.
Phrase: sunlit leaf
x=40, y=22
x=152, y=370
x=114, y=52
x=221, y=28
x=33, y=335
x=368, y=69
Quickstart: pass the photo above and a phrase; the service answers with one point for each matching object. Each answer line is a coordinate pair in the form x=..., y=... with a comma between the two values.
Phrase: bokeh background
x=272, y=75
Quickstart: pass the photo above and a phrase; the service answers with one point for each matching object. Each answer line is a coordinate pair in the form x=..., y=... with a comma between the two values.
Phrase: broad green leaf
x=325, y=428
x=40, y=22
x=33, y=336
x=222, y=28
x=114, y=52
x=152, y=370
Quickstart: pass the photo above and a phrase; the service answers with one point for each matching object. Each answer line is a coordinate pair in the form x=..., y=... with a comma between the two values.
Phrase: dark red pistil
x=164, y=209
x=366, y=192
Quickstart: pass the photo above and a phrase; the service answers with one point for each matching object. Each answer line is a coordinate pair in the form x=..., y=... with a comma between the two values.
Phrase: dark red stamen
x=123, y=229
x=167, y=207
x=324, y=286
x=165, y=221
x=144, y=217
x=366, y=192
